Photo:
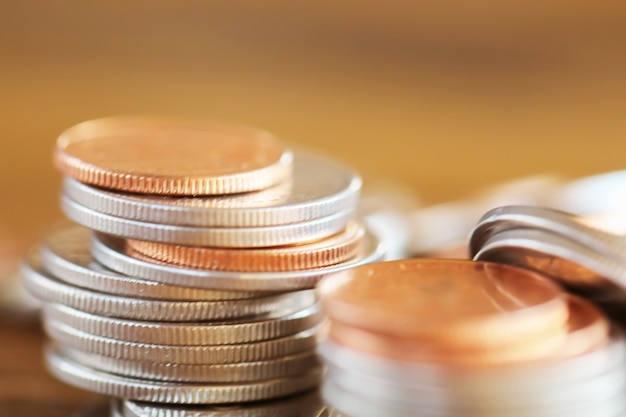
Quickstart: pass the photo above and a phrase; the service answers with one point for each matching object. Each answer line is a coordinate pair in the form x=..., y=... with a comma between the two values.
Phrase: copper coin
x=586, y=329
x=453, y=301
x=163, y=156
x=417, y=351
x=330, y=251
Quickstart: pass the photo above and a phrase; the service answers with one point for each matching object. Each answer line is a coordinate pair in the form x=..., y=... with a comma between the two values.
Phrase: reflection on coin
x=171, y=157
x=111, y=252
x=174, y=393
x=319, y=189
x=318, y=254
x=468, y=304
x=66, y=254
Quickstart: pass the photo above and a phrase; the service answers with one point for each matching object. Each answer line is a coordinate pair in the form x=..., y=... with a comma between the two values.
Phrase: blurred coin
x=194, y=355
x=174, y=393
x=335, y=249
x=290, y=365
x=43, y=286
x=272, y=325
x=233, y=237
x=65, y=253
x=308, y=404
x=151, y=155
x=514, y=378
x=593, y=194
x=587, y=329
x=416, y=350
x=357, y=405
x=561, y=223
x=319, y=189
x=460, y=303
x=111, y=252
x=564, y=260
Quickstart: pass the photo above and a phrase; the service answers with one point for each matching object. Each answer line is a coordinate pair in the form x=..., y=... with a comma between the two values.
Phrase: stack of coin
x=196, y=287
x=461, y=338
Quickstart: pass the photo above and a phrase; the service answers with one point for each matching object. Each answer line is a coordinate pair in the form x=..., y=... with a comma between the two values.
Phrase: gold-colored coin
x=151, y=155
x=463, y=303
x=331, y=251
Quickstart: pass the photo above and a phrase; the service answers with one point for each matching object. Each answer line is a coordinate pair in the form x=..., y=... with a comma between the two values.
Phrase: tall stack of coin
x=196, y=287
x=461, y=338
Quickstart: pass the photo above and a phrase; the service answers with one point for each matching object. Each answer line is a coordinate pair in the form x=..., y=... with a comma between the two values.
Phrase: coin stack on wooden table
x=460, y=338
x=188, y=279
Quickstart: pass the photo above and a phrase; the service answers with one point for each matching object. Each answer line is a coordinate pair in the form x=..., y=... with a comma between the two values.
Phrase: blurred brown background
x=446, y=96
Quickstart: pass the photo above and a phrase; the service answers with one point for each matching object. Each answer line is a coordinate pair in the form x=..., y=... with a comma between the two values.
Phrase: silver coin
x=356, y=405
x=273, y=325
x=109, y=251
x=230, y=237
x=512, y=377
x=459, y=397
x=308, y=404
x=291, y=365
x=320, y=188
x=514, y=217
x=174, y=393
x=47, y=288
x=562, y=259
x=65, y=253
x=66, y=335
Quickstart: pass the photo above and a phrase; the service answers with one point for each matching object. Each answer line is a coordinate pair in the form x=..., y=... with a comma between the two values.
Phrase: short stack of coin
x=565, y=247
x=461, y=338
x=196, y=287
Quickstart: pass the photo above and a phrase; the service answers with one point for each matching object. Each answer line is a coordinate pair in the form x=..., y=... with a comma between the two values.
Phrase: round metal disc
x=319, y=188
x=110, y=251
x=174, y=393
x=229, y=237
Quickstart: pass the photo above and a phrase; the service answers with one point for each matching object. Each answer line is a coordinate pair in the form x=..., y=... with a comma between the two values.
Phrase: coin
x=66, y=254
x=215, y=354
x=174, y=393
x=291, y=365
x=43, y=286
x=308, y=404
x=234, y=237
x=567, y=225
x=171, y=157
x=318, y=254
x=272, y=325
x=319, y=189
x=111, y=252
x=564, y=260
x=411, y=350
x=586, y=329
x=461, y=303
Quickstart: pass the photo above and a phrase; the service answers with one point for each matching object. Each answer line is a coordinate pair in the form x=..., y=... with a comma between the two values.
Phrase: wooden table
x=26, y=388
